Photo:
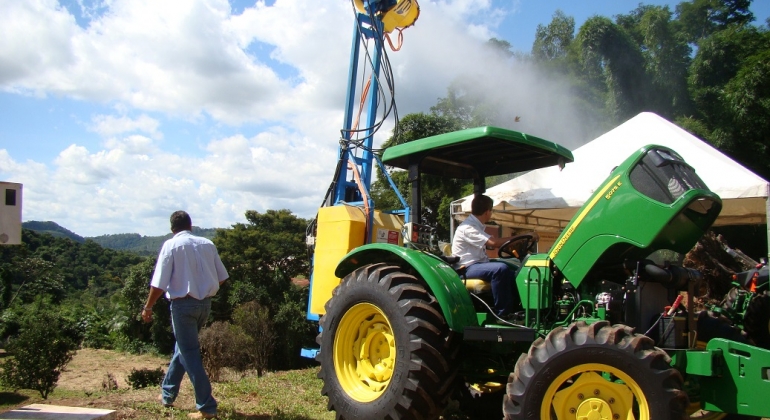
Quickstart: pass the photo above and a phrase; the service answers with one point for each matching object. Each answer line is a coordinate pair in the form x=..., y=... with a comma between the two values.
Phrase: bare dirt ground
x=81, y=385
x=90, y=367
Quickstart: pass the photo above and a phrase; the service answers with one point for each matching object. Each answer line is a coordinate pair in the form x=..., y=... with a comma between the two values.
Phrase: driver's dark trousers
x=502, y=278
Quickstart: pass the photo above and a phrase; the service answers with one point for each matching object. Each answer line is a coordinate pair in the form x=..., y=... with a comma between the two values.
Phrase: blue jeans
x=188, y=316
x=502, y=278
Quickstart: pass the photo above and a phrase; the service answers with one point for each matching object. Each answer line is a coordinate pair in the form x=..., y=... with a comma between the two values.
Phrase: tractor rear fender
x=444, y=283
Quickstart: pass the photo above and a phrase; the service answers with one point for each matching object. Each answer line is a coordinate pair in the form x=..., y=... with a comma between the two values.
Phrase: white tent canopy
x=547, y=198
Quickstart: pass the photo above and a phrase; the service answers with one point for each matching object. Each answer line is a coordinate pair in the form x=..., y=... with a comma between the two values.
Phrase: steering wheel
x=518, y=246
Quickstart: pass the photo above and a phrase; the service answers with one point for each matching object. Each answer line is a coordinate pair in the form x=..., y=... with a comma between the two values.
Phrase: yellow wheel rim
x=582, y=393
x=364, y=352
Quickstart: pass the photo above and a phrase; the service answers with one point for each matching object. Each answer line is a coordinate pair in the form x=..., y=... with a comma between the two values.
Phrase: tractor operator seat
x=475, y=286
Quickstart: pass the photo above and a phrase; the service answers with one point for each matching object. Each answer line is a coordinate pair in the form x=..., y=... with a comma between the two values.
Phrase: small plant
x=40, y=352
x=224, y=345
x=256, y=322
x=142, y=378
x=109, y=383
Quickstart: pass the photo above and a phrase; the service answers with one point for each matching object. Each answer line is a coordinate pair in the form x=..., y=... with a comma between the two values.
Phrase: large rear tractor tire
x=386, y=350
x=595, y=371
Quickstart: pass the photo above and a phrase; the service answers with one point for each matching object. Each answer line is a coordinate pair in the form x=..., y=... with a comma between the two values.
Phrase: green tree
x=729, y=83
x=255, y=321
x=40, y=352
x=6, y=286
x=465, y=105
x=437, y=193
x=78, y=266
x=133, y=334
x=557, y=52
x=500, y=46
x=698, y=19
x=37, y=278
x=613, y=63
x=553, y=41
x=666, y=56
x=261, y=257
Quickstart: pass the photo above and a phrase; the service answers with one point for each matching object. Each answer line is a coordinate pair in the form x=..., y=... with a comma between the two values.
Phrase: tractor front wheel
x=385, y=347
x=595, y=371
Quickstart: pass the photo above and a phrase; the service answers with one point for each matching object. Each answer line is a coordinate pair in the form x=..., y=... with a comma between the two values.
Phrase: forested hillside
x=96, y=292
x=49, y=266
x=132, y=242
x=53, y=229
x=143, y=245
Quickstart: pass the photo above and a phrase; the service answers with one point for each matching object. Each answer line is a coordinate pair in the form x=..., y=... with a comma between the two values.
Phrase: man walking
x=190, y=272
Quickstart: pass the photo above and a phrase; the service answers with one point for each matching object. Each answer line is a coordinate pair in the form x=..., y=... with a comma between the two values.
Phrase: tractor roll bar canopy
x=474, y=153
x=477, y=153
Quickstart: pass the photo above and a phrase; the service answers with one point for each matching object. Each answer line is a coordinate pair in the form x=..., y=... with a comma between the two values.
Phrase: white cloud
x=194, y=62
x=78, y=166
x=132, y=186
x=108, y=125
x=37, y=36
x=479, y=17
x=186, y=58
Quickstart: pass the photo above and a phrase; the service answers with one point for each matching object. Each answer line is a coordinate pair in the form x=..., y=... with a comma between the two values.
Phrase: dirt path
x=80, y=385
x=90, y=367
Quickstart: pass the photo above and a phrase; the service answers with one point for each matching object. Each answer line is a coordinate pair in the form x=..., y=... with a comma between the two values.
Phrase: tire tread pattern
x=430, y=368
x=569, y=346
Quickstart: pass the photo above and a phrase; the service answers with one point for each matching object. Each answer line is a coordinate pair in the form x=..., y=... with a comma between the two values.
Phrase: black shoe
x=513, y=318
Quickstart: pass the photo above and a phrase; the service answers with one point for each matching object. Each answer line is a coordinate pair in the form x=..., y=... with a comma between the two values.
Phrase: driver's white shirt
x=469, y=242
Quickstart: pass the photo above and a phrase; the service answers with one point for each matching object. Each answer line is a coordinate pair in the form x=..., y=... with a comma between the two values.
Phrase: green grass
x=286, y=395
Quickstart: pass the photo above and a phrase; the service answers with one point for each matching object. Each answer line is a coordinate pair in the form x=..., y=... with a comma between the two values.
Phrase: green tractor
x=600, y=333
x=402, y=332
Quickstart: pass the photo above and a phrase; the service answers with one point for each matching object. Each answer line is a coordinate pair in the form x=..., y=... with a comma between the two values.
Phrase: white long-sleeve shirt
x=188, y=265
x=469, y=242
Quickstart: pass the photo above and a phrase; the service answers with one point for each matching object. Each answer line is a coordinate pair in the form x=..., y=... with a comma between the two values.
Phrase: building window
x=10, y=197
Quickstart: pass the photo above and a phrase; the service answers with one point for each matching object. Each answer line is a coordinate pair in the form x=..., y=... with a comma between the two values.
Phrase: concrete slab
x=45, y=411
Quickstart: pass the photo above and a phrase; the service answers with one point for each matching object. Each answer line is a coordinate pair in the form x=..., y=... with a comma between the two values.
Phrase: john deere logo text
x=612, y=191
x=606, y=192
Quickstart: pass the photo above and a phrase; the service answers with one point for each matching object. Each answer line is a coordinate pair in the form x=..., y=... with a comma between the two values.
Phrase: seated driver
x=470, y=243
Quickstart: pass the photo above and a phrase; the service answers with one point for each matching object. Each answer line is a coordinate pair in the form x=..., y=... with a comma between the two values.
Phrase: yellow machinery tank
x=340, y=229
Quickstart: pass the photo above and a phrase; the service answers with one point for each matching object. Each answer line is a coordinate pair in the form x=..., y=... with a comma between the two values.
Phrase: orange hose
x=364, y=94
x=357, y=177
x=400, y=39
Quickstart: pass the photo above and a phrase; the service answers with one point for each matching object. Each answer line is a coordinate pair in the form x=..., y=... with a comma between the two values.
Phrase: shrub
x=40, y=351
x=96, y=333
x=10, y=323
x=224, y=345
x=138, y=335
x=296, y=332
x=142, y=378
x=255, y=321
x=109, y=383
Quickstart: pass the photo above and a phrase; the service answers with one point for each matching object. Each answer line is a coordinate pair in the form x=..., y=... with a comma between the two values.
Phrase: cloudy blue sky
x=114, y=113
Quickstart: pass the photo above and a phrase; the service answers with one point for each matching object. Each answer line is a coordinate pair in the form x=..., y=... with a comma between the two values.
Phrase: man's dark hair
x=180, y=221
x=480, y=205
